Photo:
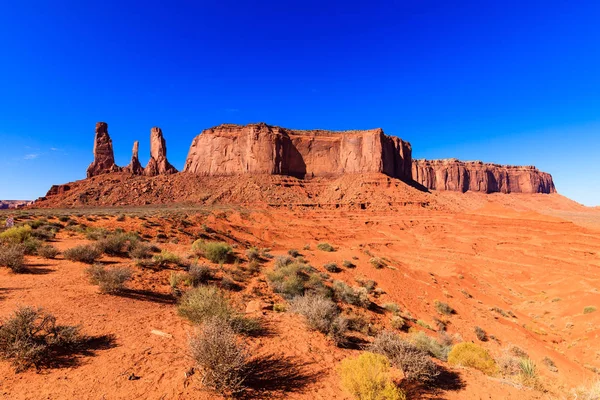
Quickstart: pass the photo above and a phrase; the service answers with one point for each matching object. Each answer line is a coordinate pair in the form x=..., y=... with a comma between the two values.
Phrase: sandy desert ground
x=522, y=267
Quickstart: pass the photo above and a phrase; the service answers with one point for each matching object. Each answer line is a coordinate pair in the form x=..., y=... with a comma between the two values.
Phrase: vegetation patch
x=12, y=255
x=322, y=315
x=217, y=252
x=85, y=253
x=368, y=377
x=109, y=280
x=474, y=356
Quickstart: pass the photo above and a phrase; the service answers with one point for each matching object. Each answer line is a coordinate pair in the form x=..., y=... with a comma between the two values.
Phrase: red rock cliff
x=477, y=176
x=264, y=149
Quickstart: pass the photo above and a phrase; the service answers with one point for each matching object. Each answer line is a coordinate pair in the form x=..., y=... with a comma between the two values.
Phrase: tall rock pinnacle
x=104, y=158
x=158, y=164
x=134, y=166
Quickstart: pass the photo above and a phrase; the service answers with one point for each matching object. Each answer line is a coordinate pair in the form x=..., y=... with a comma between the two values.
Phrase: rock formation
x=264, y=149
x=158, y=164
x=134, y=166
x=104, y=158
x=476, y=176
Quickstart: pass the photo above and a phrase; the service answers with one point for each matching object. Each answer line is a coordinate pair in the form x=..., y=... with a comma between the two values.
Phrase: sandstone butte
x=261, y=149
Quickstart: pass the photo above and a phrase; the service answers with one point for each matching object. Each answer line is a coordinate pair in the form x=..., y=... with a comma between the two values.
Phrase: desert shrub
x=589, y=309
x=96, y=233
x=368, y=284
x=591, y=392
x=355, y=296
x=322, y=315
x=45, y=232
x=348, y=264
x=474, y=356
x=392, y=307
x=199, y=274
x=481, y=335
x=377, y=262
x=499, y=311
x=517, y=352
x=279, y=307
x=295, y=279
x=325, y=247
x=205, y=302
x=415, y=364
x=85, y=253
x=109, y=280
x=283, y=261
x=527, y=368
x=64, y=218
x=253, y=254
x=16, y=234
x=117, y=243
x=367, y=377
x=424, y=324
x=223, y=360
x=165, y=258
x=140, y=250
x=397, y=322
x=431, y=345
x=217, y=252
x=253, y=267
x=229, y=284
x=443, y=308
x=332, y=267
x=47, y=251
x=293, y=253
x=31, y=245
x=12, y=255
x=31, y=338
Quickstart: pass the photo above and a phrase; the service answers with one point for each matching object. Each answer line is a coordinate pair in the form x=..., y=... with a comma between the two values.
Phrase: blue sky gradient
x=506, y=82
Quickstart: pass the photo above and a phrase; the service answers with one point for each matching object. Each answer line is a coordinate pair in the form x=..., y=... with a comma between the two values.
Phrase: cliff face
x=476, y=176
x=264, y=149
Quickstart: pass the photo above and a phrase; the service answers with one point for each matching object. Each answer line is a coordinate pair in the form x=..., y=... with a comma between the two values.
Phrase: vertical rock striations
x=264, y=149
x=476, y=176
x=158, y=164
x=104, y=158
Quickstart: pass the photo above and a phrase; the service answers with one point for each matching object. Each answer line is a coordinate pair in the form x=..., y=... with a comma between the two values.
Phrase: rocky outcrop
x=158, y=164
x=476, y=176
x=58, y=189
x=104, y=158
x=134, y=166
x=264, y=149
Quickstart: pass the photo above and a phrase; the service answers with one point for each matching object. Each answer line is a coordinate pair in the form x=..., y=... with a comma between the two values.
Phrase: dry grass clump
x=217, y=252
x=253, y=254
x=431, y=346
x=109, y=280
x=348, y=264
x=85, y=253
x=377, y=262
x=474, y=356
x=31, y=338
x=198, y=274
x=12, y=255
x=589, y=309
x=322, y=315
x=415, y=364
x=368, y=377
x=140, y=251
x=118, y=244
x=325, y=247
x=332, y=267
x=47, y=251
x=355, y=296
x=591, y=392
x=165, y=258
x=481, y=334
x=223, y=360
x=205, y=302
x=443, y=308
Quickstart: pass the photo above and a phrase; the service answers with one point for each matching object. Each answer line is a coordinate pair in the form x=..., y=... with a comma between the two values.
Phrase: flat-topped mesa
x=104, y=158
x=476, y=176
x=264, y=149
x=134, y=166
x=158, y=164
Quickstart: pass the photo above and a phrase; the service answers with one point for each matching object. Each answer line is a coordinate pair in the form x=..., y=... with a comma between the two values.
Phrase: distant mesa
x=104, y=159
x=5, y=204
x=476, y=176
x=260, y=149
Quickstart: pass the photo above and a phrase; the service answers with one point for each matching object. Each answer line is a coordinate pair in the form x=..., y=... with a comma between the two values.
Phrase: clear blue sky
x=501, y=81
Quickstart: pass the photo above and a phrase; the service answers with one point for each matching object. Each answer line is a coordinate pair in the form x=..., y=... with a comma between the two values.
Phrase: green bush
x=589, y=309
x=95, y=233
x=397, y=322
x=295, y=279
x=217, y=252
x=84, y=253
x=31, y=338
x=16, y=234
x=31, y=246
x=332, y=267
x=431, y=345
x=12, y=256
x=355, y=296
x=253, y=254
x=392, y=307
x=348, y=264
x=117, y=244
x=325, y=247
x=367, y=377
x=165, y=258
x=472, y=356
